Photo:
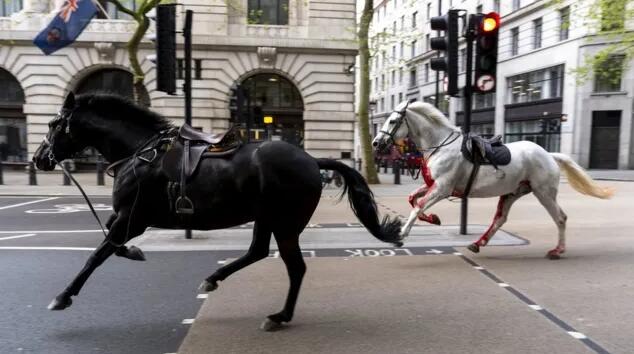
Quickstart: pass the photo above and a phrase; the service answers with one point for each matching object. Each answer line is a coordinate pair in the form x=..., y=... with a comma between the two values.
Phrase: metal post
x=468, y=91
x=32, y=175
x=187, y=85
x=1, y=173
x=385, y=166
x=436, y=97
x=100, y=176
x=397, y=172
x=360, y=163
x=65, y=176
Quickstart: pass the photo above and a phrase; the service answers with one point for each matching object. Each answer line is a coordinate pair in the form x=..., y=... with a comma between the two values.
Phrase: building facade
x=292, y=56
x=538, y=96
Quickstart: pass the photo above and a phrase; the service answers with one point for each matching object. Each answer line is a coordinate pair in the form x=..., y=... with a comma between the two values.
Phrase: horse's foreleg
x=413, y=199
x=434, y=194
x=134, y=253
x=117, y=235
x=501, y=215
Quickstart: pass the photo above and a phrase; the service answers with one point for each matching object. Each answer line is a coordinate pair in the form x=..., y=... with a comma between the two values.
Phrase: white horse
x=446, y=172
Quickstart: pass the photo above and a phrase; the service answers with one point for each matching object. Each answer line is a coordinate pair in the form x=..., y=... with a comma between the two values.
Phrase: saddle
x=188, y=148
x=477, y=149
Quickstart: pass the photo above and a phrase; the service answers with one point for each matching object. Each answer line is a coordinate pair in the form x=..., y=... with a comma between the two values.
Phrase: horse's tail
x=362, y=203
x=579, y=179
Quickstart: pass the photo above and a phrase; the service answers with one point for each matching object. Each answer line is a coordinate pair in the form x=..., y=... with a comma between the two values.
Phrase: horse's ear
x=69, y=103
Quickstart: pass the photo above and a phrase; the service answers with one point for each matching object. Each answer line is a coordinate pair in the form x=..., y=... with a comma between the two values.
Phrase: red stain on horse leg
x=458, y=194
x=498, y=214
x=426, y=173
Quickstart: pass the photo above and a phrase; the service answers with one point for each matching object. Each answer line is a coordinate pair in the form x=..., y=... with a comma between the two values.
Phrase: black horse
x=274, y=184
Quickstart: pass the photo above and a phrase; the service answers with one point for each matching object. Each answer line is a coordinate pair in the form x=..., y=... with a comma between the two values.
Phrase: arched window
x=275, y=97
x=12, y=119
x=268, y=12
x=8, y=7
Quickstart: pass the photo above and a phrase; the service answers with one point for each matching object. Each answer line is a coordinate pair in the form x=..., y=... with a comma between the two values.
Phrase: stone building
x=538, y=97
x=293, y=55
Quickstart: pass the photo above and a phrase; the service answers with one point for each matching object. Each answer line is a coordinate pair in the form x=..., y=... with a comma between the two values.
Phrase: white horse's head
x=420, y=121
x=394, y=129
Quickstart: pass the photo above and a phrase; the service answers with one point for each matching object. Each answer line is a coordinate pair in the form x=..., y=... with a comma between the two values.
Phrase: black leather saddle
x=477, y=149
x=188, y=148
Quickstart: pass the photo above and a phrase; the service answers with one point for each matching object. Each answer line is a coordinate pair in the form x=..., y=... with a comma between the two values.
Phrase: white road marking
x=202, y=296
x=16, y=236
x=577, y=335
x=222, y=262
x=503, y=285
x=188, y=321
x=50, y=231
x=434, y=251
x=478, y=267
x=48, y=248
x=457, y=254
x=27, y=203
x=536, y=307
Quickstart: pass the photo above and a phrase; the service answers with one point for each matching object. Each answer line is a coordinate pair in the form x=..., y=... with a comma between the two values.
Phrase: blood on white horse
x=446, y=172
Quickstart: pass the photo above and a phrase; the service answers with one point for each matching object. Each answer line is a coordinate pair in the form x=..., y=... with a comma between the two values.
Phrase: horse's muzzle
x=41, y=158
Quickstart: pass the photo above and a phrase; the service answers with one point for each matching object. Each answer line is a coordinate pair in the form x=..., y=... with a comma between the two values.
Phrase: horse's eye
x=58, y=128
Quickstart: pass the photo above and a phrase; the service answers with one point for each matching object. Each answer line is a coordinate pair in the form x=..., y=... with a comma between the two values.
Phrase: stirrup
x=187, y=208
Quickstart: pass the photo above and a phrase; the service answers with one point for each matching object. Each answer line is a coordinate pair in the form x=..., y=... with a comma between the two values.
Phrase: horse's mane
x=121, y=108
x=428, y=110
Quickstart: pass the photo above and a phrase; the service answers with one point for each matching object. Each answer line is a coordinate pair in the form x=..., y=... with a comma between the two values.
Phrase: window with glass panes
x=9, y=7
x=608, y=75
x=536, y=85
x=537, y=33
x=413, y=80
x=268, y=12
x=564, y=23
x=515, y=41
x=544, y=132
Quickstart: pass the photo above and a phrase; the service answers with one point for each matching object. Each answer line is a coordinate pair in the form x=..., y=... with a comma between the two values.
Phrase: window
x=400, y=97
x=462, y=63
x=112, y=10
x=496, y=6
x=443, y=102
x=268, y=12
x=383, y=59
x=13, y=132
x=402, y=51
x=393, y=77
x=612, y=15
x=426, y=72
x=392, y=102
x=428, y=11
x=564, y=23
x=486, y=100
x=607, y=75
x=403, y=22
x=394, y=28
x=394, y=52
x=8, y=7
x=414, y=19
x=413, y=49
x=537, y=33
x=413, y=80
x=516, y=5
x=515, y=41
x=382, y=108
x=536, y=85
x=376, y=84
x=544, y=132
x=400, y=76
x=427, y=44
x=383, y=82
x=479, y=9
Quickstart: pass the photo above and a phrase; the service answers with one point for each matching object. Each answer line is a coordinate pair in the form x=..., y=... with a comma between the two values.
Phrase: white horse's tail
x=579, y=179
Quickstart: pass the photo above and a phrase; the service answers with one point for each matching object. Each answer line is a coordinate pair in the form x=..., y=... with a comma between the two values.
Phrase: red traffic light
x=490, y=23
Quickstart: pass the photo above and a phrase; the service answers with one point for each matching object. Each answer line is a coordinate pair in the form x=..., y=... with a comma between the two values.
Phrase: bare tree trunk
x=368, y=169
x=133, y=50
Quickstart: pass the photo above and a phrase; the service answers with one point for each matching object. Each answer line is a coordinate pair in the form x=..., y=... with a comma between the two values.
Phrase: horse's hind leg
x=501, y=215
x=548, y=198
x=258, y=250
x=288, y=244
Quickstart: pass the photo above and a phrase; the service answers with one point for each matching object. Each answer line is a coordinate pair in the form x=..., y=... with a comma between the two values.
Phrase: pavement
x=432, y=295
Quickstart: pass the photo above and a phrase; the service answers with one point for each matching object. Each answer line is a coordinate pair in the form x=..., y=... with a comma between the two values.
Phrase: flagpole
x=101, y=8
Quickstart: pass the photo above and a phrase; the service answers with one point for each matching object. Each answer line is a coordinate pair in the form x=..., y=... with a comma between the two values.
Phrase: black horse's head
x=59, y=144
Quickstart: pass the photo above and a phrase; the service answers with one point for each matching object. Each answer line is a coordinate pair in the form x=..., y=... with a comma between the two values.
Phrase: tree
x=364, y=93
x=606, y=23
x=143, y=23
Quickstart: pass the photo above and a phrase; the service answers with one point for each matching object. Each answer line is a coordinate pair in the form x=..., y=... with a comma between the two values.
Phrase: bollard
x=32, y=175
x=66, y=179
x=1, y=173
x=385, y=166
x=359, y=162
x=397, y=173
x=100, y=177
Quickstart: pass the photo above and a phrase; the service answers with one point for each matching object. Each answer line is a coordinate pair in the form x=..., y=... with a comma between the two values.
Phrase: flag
x=66, y=26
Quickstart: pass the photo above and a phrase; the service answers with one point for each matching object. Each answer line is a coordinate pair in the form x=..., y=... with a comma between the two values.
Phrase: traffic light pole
x=436, y=99
x=467, y=94
x=187, y=85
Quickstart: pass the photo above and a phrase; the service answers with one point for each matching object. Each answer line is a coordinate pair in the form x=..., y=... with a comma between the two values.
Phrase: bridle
x=402, y=117
x=65, y=118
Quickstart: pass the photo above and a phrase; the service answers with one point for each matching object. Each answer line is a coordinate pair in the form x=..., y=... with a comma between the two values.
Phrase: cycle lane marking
x=27, y=203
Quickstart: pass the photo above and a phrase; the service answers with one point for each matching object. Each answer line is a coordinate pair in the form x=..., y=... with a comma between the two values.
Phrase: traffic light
x=486, y=52
x=449, y=44
x=165, y=40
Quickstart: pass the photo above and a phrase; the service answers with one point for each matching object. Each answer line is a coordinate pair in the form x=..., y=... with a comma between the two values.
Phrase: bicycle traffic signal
x=165, y=40
x=486, y=52
x=449, y=44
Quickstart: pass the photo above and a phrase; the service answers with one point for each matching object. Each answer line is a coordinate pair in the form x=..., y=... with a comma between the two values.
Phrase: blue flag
x=66, y=26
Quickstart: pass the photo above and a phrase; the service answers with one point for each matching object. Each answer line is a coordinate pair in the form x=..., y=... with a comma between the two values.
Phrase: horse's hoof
x=269, y=325
x=553, y=255
x=474, y=248
x=59, y=304
x=398, y=244
x=207, y=286
x=134, y=253
x=435, y=220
